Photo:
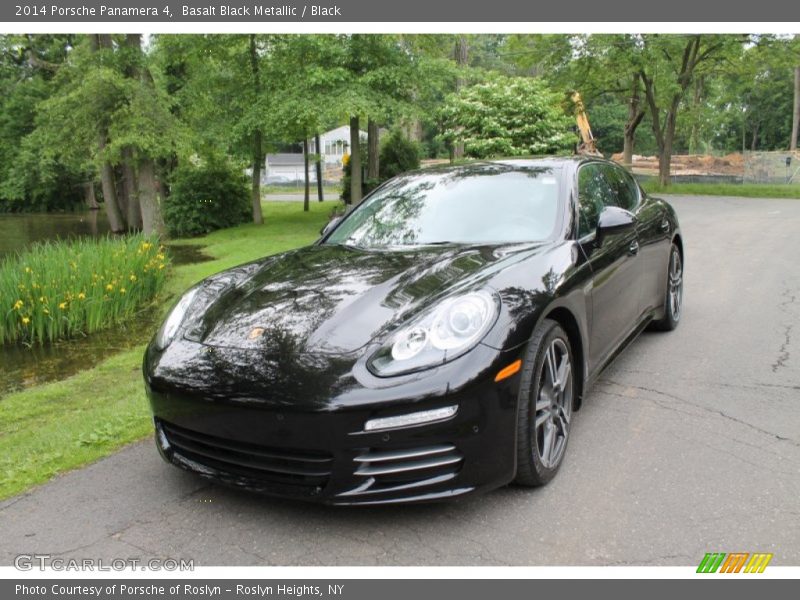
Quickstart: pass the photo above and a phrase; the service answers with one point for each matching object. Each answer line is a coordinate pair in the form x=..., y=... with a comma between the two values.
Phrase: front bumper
x=322, y=453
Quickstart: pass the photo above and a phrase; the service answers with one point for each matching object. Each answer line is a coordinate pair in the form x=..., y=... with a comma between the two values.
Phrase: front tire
x=544, y=407
x=673, y=297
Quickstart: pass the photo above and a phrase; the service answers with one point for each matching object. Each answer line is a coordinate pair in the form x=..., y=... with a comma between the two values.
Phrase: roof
x=342, y=132
x=285, y=159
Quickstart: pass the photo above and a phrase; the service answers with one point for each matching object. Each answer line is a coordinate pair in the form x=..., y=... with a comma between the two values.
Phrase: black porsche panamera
x=434, y=342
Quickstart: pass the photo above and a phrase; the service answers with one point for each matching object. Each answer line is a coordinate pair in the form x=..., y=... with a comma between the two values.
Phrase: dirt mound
x=690, y=164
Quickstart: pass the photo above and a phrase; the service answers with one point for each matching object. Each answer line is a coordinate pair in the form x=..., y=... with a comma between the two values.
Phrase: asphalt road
x=689, y=443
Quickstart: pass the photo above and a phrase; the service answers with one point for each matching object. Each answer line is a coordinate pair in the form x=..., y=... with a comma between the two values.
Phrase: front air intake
x=251, y=461
x=407, y=468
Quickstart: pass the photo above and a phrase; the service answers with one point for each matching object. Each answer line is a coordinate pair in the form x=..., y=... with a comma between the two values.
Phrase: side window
x=594, y=193
x=626, y=192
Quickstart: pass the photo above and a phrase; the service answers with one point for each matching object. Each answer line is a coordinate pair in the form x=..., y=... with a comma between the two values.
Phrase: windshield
x=492, y=205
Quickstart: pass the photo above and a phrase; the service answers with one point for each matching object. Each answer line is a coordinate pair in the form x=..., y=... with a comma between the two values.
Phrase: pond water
x=18, y=231
x=22, y=367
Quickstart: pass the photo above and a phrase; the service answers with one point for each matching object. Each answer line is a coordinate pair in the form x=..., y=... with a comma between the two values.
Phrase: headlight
x=448, y=331
x=173, y=322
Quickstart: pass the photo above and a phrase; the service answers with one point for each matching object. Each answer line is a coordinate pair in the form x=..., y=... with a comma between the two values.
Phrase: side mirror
x=613, y=220
x=330, y=226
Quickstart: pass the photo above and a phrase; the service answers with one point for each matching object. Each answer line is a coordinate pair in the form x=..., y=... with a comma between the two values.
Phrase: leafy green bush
x=398, y=154
x=204, y=199
x=507, y=116
x=57, y=290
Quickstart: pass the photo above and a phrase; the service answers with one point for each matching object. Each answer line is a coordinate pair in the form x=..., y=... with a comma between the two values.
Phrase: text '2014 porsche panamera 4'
x=434, y=342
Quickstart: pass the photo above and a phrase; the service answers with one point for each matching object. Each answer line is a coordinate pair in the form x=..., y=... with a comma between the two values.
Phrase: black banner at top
x=440, y=11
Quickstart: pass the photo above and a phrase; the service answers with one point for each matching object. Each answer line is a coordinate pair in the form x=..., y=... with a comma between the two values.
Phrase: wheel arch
x=678, y=241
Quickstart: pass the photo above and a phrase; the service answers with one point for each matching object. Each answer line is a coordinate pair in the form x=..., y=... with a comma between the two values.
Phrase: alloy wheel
x=675, y=284
x=553, y=405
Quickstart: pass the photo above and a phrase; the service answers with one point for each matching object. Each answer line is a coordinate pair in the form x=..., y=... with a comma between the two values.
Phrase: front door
x=616, y=267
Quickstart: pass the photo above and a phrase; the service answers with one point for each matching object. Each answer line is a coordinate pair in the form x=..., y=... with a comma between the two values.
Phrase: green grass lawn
x=52, y=428
x=747, y=190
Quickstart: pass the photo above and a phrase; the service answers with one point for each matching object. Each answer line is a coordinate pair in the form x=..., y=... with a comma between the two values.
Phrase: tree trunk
x=144, y=204
x=255, y=193
x=754, y=140
x=355, y=161
x=372, y=151
x=121, y=191
x=129, y=197
x=307, y=188
x=796, y=111
x=627, y=149
x=462, y=58
x=89, y=196
x=258, y=154
x=665, y=135
x=115, y=219
x=665, y=151
x=415, y=132
x=635, y=116
x=320, y=196
x=133, y=212
x=150, y=198
x=694, y=135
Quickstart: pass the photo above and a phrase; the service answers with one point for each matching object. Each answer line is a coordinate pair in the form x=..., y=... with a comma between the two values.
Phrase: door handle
x=633, y=249
x=665, y=226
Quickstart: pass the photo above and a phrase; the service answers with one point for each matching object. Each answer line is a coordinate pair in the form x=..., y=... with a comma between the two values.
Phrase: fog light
x=415, y=418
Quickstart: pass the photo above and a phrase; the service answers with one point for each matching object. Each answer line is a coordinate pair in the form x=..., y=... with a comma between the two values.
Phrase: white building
x=288, y=167
x=334, y=144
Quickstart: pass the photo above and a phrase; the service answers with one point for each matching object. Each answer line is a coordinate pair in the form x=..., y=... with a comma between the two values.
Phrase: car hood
x=334, y=300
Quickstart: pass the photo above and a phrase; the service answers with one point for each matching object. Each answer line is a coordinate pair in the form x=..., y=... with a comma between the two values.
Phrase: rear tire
x=544, y=406
x=673, y=297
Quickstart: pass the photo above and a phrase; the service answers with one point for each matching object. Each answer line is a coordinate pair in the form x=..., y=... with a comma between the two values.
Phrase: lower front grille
x=394, y=470
x=251, y=461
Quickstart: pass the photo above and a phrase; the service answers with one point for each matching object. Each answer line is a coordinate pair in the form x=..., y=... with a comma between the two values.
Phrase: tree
x=373, y=144
x=139, y=158
x=356, y=184
x=223, y=95
x=258, y=150
x=461, y=56
x=116, y=220
x=303, y=70
x=748, y=102
x=508, y=117
x=318, y=166
x=795, y=110
x=382, y=85
x=606, y=68
x=108, y=112
x=668, y=67
x=398, y=154
x=32, y=175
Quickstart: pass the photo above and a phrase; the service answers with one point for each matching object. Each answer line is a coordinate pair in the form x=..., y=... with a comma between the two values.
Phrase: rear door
x=616, y=268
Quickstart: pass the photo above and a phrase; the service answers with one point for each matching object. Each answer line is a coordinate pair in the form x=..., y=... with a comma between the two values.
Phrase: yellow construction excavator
x=587, y=145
